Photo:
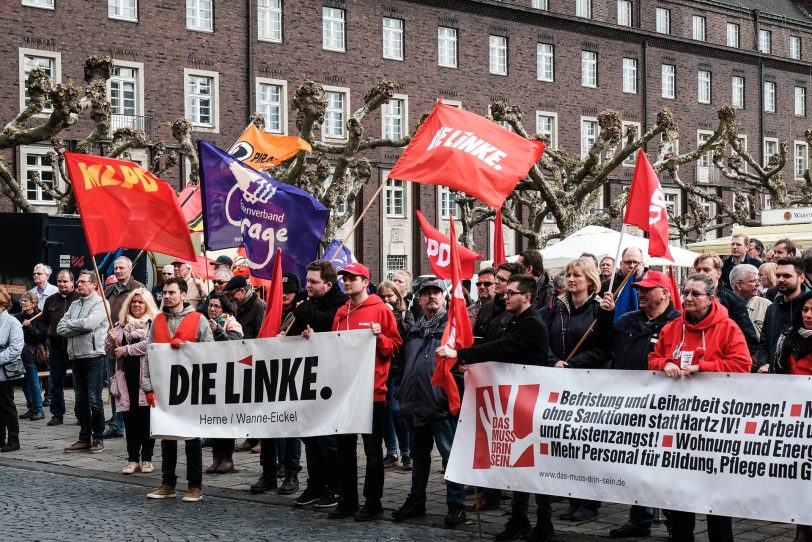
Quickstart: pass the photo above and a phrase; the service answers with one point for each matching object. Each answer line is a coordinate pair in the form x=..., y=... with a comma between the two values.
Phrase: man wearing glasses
x=486, y=279
x=42, y=287
x=158, y=291
x=221, y=278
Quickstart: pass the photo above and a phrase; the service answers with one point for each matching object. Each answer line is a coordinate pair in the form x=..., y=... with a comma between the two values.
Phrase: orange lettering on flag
x=125, y=176
x=92, y=177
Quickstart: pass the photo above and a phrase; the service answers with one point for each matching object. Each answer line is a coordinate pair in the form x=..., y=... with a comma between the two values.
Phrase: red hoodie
x=725, y=350
x=370, y=311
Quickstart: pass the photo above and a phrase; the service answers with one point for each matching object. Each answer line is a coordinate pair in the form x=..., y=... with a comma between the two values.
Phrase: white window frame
x=769, y=96
x=403, y=117
x=583, y=8
x=631, y=160
x=704, y=86
x=676, y=205
x=197, y=23
x=705, y=168
x=214, y=127
x=552, y=133
x=392, y=39
x=545, y=62
x=118, y=5
x=765, y=42
x=772, y=141
x=699, y=28
x=543, y=5
x=630, y=75
x=283, y=103
x=663, y=21
x=794, y=47
x=139, y=88
x=733, y=35
x=444, y=196
x=57, y=77
x=498, y=54
x=800, y=163
x=333, y=29
x=269, y=21
x=588, y=140
x=394, y=188
x=41, y=4
x=25, y=151
x=345, y=114
x=800, y=101
x=737, y=95
x=668, y=81
x=624, y=12
x=447, y=47
x=589, y=69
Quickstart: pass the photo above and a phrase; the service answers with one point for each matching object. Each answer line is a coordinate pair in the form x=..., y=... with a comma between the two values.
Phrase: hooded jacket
x=725, y=350
x=85, y=327
x=372, y=310
x=777, y=320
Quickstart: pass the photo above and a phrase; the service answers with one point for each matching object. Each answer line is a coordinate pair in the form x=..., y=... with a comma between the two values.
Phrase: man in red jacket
x=365, y=311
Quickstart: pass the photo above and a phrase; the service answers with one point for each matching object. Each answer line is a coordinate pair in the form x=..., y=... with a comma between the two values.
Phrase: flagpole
x=617, y=255
x=101, y=285
x=360, y=218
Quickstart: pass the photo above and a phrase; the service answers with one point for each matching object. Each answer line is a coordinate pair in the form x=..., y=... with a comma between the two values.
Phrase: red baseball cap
x=654, y=279
x=355, y=269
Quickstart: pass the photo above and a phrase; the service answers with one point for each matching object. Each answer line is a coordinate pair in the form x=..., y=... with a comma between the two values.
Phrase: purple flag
x=242, y=206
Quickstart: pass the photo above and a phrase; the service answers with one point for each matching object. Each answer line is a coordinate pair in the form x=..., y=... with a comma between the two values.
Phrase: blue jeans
x=88, y=382
x=395, y=429
x=58, y=364
x=641, y=517
x=441, y=433
x=116, y=420
x=31, y=388
x=283, y=451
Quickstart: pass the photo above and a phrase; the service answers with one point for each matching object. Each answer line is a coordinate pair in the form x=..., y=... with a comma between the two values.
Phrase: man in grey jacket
x=84, y=326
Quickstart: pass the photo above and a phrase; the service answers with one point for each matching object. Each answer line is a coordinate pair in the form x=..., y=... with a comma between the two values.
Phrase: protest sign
x=725, y=444
x=264, y=388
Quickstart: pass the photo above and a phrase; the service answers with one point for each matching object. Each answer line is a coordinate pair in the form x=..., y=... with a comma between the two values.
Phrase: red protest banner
x=438, y=248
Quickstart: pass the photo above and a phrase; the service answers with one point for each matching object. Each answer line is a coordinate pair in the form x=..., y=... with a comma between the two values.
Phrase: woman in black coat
x=35, y=333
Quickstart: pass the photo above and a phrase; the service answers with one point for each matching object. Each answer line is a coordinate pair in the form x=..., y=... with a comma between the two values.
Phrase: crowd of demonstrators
x=12, y=343
x=35, y=334
x=42, y=288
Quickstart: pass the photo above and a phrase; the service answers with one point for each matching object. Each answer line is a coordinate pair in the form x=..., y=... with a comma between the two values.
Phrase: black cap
x=235, y=283
x=223, y=260
x=290, y=283
x=437, y=284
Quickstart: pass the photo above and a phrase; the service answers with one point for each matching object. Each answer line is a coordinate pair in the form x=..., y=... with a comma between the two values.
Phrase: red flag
x=498, y=240
x=122, y=205
x=457, y=333
x=438, y=248
x=675, y=297
x=273, y=311
x=646, y=207
x=464, y=151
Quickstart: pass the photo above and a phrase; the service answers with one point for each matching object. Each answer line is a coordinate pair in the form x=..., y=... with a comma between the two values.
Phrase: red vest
x=187, y=330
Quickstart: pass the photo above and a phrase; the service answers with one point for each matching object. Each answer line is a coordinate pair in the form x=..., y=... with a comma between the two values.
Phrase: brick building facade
x=562, y=61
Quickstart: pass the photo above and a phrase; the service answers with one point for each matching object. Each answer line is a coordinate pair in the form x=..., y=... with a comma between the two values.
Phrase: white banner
x=264, y=388
x=728, y=444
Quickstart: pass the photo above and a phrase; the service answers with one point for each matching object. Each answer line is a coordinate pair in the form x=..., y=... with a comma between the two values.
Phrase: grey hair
x=46, y=268
x=225, y=272
x=704, y=279
x=126, y=259
x=740, y=272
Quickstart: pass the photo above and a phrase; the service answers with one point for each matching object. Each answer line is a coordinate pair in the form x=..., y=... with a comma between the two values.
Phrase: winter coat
x=134, y=350
x=11, y=341
x=567, y=324
x=544, y=296
x=728, y=265
x=55, y=308
x=318, y=313
x=795, y=356
x=778, y=319
x=738, y=312
x=633, y=336
x=725, y=350
x=388, y=343
x=490, y=322
x=524, y=341
x=34, y=334
x=420, y=401
x=250, y=313
x=116, y=296
x=85, y=326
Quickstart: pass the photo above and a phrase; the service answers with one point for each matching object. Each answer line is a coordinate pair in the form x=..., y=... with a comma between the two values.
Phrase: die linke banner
x=731, y=445
x=264, y=388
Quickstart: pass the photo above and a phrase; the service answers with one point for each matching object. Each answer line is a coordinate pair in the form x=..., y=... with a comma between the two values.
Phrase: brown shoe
x=163, y=492
x=245, y=445
x=78, y=446
x=193, y=494
x=96, y=447
x=481, y=503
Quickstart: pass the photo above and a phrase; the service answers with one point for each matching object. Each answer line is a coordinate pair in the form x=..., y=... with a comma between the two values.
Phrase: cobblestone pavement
x=42, y=450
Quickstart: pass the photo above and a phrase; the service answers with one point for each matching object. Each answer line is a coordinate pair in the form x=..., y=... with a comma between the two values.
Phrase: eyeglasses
x=484, y=284
x=81, y=281
x=691, y=293
x=215, y=307
x=631, y=262
x=219, y=282
x=511, y=293
x=170, y=274
x=37, y=273
x=501, y=280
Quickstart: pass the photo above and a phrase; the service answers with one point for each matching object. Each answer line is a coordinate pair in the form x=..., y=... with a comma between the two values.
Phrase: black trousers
x=720, y=528
x=348, y=462
x=222, y=448
x=8, y=413
x=322, y=463
x=194, y=462
x=544, y=508
x=139, y=444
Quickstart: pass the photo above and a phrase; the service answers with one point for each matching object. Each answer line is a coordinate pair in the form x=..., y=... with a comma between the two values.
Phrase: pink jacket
x=139, y=349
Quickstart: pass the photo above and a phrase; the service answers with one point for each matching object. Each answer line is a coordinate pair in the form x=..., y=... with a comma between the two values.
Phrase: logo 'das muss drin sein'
x=504, y=434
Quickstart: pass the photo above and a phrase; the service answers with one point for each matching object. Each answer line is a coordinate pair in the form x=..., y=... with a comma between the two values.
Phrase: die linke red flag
x=464, y=151
x=646, y=207
x=457, y=333
x=122, y=205
x=438, y=249
x=498, y=240
x=273, y=311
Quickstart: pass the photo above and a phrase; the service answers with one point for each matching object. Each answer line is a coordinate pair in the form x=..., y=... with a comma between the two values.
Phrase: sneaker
x=308, y=496
x=193, y=494
x=406, y=462
x=163, y=492
x=629, y=531
x=454, y=517
x=78, y=446
x=25, y=415
x=584, y=513
x=410, y=509
x=96, y=447
x=369, y=512
x=36, y=416
x=343, y=510
x=147, y=467
x=327, y=500
x=390, y=461
x=265, y=483
x=290, y=485
x=515, y=529
x=111, y=433
x=55, y=420
x=131, y=467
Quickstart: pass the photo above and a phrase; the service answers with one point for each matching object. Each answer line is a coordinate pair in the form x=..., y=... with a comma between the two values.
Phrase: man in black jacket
x=633, y=337
x=250, y=308
x=524, y=341
x=739, y=244
x=533, y=264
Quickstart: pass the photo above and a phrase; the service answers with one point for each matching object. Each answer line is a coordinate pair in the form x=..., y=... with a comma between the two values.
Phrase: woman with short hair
x=12, y=343
x=35, y=333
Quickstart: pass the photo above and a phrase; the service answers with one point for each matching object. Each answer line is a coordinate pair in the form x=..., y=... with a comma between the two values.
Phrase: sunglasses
x=219, y=282
x=484, y=284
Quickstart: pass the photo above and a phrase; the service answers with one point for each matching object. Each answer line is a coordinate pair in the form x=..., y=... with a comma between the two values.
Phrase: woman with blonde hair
x=766, y=276
x=127, y=343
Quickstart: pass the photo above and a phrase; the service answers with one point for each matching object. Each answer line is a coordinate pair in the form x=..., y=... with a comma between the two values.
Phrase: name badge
x=685, y=359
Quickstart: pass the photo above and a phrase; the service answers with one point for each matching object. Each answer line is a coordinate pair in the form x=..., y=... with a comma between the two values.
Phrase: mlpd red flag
x=122, y=205
x=464, y=151
x=646, y=208
x=273, y=310
x=262, y=150
x=498, y=240
x=438, y=249
x=457, y=333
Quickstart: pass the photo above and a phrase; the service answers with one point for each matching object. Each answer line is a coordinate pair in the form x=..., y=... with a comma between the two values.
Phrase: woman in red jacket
x=704, y=339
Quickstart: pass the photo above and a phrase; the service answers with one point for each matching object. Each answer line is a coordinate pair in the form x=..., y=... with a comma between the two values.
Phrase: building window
x=269, y=20
x=795, y=47
x=447, y=47
x=800, y=101
x=583, y=8
x=394, y=117
x=663, y=21
x=769, y=96
x=395, y=199
x=498, y=55
x=589, y=135
x=765, y=42
x=394, y=262
x=733, y=35
x=272, y=104
x=126, y=10
x=770, y=149
x=547, y=125
x=630, y=160
x=45, y=4
x=48, y=61
x=703, y=87
x=737, y=84
x=545, y=62
x=705, y=170
x=801, y=159
x=332, y=29
x=392, y=38
x=630, y=76
x=672, y=202
x=624, y=12
x=33, y=160
x=200, y=15
x=540, y=4
x=669, y=81
x=698, y=32
x=202, y=97
x=336, y=113
x=125, y=89
x=448, y=203
x=589, y=69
